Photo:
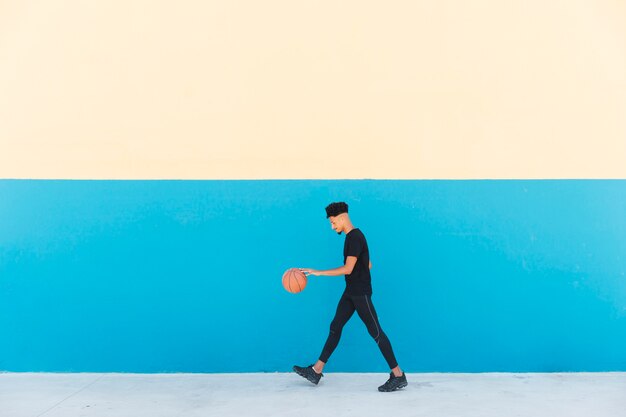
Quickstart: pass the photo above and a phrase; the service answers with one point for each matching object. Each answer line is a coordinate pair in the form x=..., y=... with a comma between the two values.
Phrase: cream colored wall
x=313, y=89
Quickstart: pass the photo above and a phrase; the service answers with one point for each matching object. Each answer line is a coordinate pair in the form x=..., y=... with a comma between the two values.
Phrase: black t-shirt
x=359, y=282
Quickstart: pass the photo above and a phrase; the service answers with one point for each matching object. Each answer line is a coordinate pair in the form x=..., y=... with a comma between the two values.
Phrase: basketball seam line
x=289, y=282
x=299, y=282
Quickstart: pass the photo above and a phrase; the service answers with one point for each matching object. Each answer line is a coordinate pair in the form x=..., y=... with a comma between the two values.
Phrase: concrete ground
x=287, y=394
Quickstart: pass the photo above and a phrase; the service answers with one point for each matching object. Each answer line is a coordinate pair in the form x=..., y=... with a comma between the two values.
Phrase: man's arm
x=370, y=264
x=342, y=270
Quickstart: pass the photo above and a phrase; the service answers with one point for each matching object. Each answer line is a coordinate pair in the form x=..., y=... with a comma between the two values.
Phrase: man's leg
x=365, y=308
x=367, y=313
x=345, y=310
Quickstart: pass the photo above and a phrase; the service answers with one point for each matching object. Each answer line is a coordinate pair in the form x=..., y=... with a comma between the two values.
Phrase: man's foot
x=308, y=373
x=394, y=383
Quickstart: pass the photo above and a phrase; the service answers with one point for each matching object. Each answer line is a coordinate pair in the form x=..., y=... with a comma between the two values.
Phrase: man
x=356, y=297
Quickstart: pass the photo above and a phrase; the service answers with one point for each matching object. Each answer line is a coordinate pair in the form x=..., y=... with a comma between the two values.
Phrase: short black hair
x=334, y=209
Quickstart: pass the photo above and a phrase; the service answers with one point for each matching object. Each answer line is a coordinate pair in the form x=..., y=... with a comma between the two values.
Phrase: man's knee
x=377, y=334
x=336, y=327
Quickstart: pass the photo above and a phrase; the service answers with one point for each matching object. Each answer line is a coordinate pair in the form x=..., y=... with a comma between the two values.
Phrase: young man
x=356, y=296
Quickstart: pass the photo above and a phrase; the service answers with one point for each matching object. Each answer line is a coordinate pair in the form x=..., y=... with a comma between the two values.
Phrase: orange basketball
x=294, y=280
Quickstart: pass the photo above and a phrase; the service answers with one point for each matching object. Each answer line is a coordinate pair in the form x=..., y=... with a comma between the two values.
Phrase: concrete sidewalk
x=287, y=394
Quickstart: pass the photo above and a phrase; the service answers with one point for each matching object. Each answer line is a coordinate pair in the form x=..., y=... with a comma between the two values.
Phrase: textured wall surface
x=468, y=276
x=162, y=164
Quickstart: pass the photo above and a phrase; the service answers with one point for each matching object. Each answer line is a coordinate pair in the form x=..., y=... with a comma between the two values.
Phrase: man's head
x=337, y=214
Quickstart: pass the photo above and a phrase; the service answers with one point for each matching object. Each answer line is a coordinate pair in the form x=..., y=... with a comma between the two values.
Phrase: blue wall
x=185, y=276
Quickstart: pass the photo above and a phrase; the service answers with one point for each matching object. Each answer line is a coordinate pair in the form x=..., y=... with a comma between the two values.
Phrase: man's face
x=335, y=223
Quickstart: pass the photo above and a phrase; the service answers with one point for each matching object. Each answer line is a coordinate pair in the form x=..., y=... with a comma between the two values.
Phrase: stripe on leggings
x=377, y=329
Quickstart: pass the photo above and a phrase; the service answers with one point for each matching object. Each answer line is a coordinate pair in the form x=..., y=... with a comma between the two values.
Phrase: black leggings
x=364, y=307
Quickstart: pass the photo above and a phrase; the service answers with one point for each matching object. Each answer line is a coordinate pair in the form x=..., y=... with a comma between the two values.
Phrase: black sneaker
x=308, y=373
x=394, y=383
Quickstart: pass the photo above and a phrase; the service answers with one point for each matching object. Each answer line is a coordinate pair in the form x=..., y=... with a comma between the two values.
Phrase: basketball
x=294, y=280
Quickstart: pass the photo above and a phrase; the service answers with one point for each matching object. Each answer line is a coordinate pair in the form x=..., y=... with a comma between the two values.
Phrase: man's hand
x=308, y=271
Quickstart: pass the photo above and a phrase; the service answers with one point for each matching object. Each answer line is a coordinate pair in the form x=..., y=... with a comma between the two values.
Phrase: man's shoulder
x=356, y=232
x=358, y=235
